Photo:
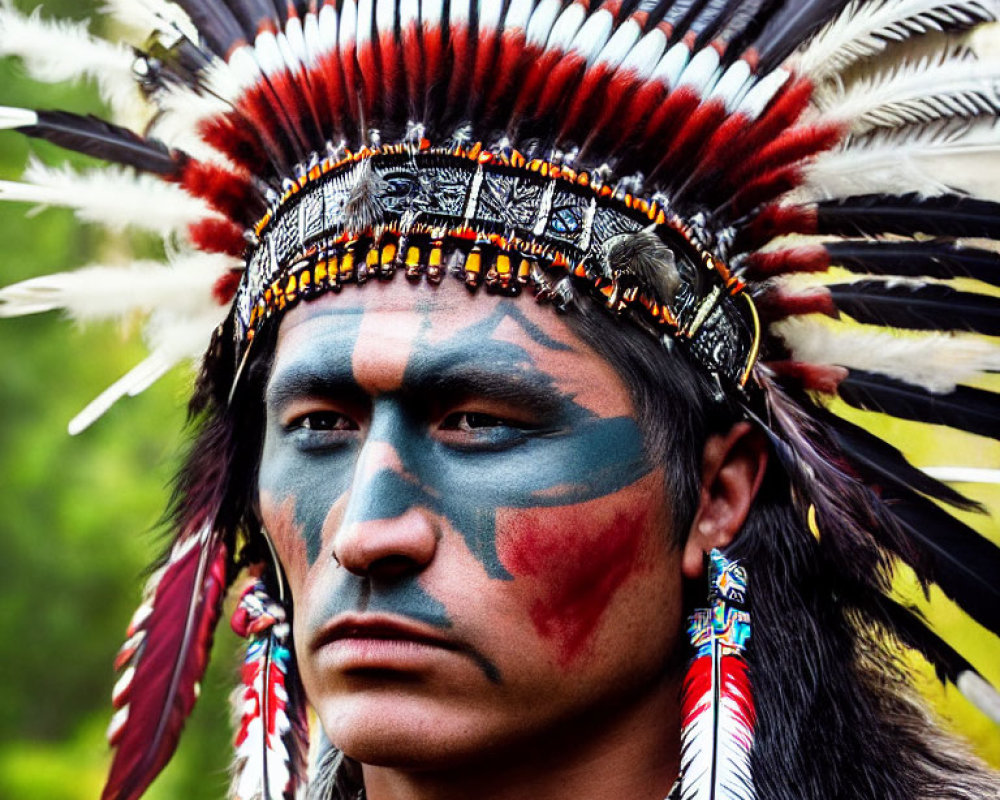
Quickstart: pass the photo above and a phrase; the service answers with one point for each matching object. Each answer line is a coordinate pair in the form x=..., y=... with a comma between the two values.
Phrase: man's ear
x=732, y=469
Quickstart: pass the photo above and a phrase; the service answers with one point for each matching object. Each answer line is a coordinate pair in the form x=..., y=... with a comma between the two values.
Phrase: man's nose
x=389, y=529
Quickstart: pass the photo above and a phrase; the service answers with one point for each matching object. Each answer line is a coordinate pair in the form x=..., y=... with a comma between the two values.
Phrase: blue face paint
x=569, y=456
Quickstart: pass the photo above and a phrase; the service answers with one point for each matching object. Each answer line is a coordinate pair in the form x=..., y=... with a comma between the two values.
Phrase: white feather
x=915, y=92
x=593, y=34
x=931, y=162
x=620, y=44
x=542, y=21
x=757, y=98
x=702, y=71
x=181, y=111
x=57, y=51
x=937, y=362
x=864, y=29
x=11, y=117
x=980, y=693
x=489, y=16
x=732, y=85
x=100, y=291
x=672, y=64
x=115, y=197
x=518, y=15
x=643, y=58
x=174, y=340
x=431, y=14
x=147, y=16
x=566, y=26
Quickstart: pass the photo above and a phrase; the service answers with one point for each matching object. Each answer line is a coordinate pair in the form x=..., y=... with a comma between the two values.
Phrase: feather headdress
x=728, y=175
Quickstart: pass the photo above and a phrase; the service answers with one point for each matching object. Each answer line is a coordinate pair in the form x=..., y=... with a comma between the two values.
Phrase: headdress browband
x=497, y=218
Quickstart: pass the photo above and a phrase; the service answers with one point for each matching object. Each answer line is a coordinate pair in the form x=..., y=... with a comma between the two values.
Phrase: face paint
x=565, y=457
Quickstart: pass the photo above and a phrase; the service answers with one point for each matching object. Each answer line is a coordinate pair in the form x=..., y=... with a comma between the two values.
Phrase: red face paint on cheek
x=573, y=560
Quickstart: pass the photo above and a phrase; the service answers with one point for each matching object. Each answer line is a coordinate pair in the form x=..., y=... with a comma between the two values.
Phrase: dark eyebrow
x=309, y=380
x=527, y=388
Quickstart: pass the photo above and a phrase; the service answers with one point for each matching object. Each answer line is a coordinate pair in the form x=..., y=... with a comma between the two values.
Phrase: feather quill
x=163, y=660
x=865, y=29
x=112, y=197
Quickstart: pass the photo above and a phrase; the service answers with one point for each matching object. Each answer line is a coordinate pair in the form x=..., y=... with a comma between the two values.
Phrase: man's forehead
x=398, y=309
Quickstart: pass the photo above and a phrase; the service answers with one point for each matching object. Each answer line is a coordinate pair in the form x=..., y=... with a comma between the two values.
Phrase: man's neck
x=633, y=754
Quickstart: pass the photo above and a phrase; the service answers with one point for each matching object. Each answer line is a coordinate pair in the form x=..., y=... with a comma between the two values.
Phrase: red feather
x=226, y=191
x=773, y=221
x=218, y=236
x=168, y=649
x=777, y=304
x=808, y=258
x=229, y=134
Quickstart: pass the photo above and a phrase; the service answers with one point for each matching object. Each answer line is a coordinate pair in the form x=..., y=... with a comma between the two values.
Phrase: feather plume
x=918, y=306
x=931, y=161
x=966, y=408
x=717, y=709
x=183, y=286
x=99, y=139
x=865, y=29
x=57, y=51
x=145, y=16
x=964, y=474
x=915, y=92
x=915, y=259
x=272, y=737
x=909, y=214
x=882, y=465
x=165, y=657
x=936, y=362
x=112, y=197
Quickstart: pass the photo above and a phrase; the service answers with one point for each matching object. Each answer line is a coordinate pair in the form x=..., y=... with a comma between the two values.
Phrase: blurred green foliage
x=79, y=515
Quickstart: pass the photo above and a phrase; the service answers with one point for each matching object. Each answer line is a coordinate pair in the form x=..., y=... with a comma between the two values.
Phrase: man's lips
x=381, y=628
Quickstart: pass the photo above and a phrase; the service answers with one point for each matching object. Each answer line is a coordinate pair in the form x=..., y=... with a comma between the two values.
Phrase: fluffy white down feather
x=937, y=361
x=933, y=161
x=183, y=287
x=57, y=51
x=114, y=197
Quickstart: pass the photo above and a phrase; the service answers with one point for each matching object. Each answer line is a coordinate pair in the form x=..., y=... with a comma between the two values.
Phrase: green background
x=79, y=519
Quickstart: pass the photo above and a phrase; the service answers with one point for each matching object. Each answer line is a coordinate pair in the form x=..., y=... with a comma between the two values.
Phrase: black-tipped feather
x=964, y=564
x=930, y=307
x=928, y=259
x=791, y=25
x=966, y=408
x=881, y=464
x=95, y=137
x=946, y=215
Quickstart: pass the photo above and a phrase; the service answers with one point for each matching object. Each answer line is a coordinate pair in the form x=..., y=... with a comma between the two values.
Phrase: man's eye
x=471, y=421
x=323, y=421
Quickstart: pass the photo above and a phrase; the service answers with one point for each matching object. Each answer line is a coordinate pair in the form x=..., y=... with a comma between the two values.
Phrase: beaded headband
x=499, y=219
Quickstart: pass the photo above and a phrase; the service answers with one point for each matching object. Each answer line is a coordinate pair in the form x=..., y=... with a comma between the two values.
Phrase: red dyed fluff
x=778, y=304
x=808, y=258
x=823, y=378
x=670, y=116
x=764, y=189
x=789, y=147
x=217, y=236
x=227, y=192
x=773, y=221
x=230, y=134
x=693, y=132
x=224, y=289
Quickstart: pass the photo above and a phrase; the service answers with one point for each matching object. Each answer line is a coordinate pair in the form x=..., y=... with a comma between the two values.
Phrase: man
x=478, y=527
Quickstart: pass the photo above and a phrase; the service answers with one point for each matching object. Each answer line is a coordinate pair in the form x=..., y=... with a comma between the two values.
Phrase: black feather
x=790, y=26
x=743, y=23
x=919, y=259
x=95, y=137
x=251, y=13
x=881, y=464
x=216, y=24
x=946, y=215
x=929, y=307
x=964, y=564
x=913, y=631
x=966, y=408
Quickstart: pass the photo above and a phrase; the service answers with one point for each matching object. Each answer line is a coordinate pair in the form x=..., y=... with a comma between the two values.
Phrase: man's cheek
x=569, y=562
x=278, y=517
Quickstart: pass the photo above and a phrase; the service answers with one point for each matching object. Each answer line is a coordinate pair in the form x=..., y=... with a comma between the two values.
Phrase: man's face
x=475, y=540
